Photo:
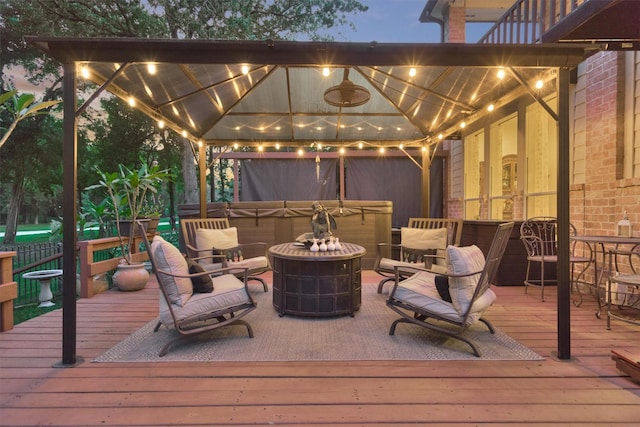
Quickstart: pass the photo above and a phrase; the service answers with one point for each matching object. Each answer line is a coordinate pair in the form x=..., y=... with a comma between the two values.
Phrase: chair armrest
x=222, y=258
x=216, y=272
x=417, y=269
x=381, y=246
x=191, y=250
x=253, y=249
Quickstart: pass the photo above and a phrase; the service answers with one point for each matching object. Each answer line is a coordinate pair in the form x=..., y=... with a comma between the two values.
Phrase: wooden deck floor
x=588, y=390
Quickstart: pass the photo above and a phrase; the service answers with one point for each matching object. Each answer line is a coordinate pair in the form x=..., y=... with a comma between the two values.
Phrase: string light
x=161, y=124
x=325, y=71
x=151, y=68
x=539, y=84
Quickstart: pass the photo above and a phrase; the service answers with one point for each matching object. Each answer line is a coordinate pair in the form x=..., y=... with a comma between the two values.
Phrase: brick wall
x=602, y=200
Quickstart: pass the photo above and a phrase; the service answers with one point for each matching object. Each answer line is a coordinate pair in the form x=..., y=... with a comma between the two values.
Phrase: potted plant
x=152, y=210
x=128, y=189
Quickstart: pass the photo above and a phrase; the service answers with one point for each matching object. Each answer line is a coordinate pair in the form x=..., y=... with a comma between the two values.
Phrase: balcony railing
x=527, y=20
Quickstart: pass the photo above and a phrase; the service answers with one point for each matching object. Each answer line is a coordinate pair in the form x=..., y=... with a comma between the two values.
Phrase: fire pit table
x=316, y=284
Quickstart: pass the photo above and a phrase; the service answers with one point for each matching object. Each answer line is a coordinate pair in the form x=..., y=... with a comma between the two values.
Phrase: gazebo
x=266, y=93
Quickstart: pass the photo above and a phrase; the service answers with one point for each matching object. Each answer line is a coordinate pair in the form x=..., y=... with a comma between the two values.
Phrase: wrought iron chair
x=623, y=286
x=540, y=238
x=205, y=237
x=422, y=245
x=422, y=301
x=190, y=312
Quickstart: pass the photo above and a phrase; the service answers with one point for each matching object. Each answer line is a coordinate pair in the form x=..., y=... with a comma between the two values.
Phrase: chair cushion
x=419, y=291
x=201, y=284
x=424, y=239
x=255, y=263
x=419, y=238
x=464, y=260
x=228, y=292
x=167, y=257
x=221, y=239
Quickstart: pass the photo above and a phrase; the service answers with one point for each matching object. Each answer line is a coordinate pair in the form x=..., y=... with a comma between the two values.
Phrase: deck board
x=589, y=389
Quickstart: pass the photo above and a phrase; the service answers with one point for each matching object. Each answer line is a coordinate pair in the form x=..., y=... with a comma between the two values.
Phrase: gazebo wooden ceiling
x=198, y=87
x=203, y=80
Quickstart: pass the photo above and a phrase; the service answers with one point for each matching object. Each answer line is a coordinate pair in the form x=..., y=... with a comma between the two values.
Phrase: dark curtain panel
x=284, y=179
x=436, y=175
x=396, y=179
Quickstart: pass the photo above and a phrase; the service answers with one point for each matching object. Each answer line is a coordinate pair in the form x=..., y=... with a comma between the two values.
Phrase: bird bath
x=44, y=277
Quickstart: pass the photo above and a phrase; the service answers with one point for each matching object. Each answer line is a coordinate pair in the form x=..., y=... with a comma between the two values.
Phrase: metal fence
x=35, y=257
x=48, y=256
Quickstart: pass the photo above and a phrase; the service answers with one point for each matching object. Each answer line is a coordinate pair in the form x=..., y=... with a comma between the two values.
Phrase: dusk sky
x=392, y=21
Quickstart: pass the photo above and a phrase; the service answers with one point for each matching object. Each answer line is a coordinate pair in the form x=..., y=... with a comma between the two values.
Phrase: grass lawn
x=30, y=311
x=43, y=232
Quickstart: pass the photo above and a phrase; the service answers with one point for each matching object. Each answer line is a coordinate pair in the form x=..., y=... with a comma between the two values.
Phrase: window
x=541, y=161
x=503, y=149
x=473, y=175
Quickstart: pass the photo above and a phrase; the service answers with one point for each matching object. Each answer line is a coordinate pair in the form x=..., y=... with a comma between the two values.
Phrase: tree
x=253, y=19
x=220, y=19
x=31, y=166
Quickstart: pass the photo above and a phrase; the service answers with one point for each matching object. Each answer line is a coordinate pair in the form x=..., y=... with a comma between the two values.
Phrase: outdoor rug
x=363, y=337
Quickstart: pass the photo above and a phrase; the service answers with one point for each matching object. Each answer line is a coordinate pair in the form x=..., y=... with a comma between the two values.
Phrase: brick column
x=455, y=20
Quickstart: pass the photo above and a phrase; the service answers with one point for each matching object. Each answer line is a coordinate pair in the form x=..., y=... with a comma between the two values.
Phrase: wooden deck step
x=628, y=362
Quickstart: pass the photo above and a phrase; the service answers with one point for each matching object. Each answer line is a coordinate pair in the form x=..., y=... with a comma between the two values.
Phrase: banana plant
x=21, y=107
x=127, y=190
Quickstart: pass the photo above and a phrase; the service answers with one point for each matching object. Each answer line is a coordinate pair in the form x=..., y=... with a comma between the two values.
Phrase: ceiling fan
x=347, y=93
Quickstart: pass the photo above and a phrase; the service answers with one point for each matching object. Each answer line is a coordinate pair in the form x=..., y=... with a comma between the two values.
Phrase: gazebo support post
x=564, y=287
x=69, y=214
